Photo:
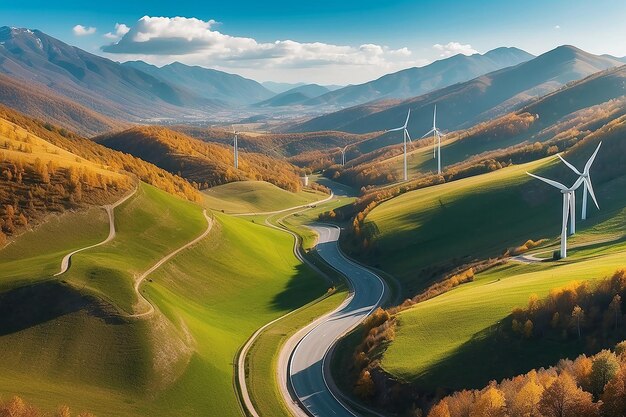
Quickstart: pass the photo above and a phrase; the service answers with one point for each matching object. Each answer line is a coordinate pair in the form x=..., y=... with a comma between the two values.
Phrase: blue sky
x=332, y=41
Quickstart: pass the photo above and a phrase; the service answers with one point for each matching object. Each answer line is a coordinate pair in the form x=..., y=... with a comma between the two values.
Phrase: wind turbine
x=587, y=187
x=569, y=206
x=236, y=149
x=437, y=135
x=343, y=155
x=406, y=136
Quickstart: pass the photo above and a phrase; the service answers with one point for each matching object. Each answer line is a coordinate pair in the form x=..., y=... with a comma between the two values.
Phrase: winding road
x=309, y=350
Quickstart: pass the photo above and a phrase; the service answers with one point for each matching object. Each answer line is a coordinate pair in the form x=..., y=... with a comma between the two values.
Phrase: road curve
x=307, y=373
x=110, y=208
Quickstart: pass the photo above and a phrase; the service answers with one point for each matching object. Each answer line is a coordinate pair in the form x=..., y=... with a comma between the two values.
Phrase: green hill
x=177, y=361
x=256, y=196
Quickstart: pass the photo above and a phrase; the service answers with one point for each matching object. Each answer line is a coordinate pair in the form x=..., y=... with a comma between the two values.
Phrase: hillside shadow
x=494, y=354
x=302, y=288
x=28, y=306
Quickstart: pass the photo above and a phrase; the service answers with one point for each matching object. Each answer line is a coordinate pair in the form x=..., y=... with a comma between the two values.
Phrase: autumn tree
x=365, y=385
x=563, y=398
x=578, y=316
x=605, y=366
x=440, y=410
x=616, y=308
x=526, y=402
x=491, y=403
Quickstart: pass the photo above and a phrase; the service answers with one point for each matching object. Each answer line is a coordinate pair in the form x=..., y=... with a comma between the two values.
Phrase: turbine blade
x=429, y=132
x=551, y=182
x=407, y=135
x=591, y=193
x=396, y=129
x=572, y=167
x=593, y=157
x=435, y=117
x=407, y=119
x=566, y=203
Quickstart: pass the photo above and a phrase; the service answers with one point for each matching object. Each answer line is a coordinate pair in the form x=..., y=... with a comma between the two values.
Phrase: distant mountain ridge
x=295, y=96
x=464, y=104
x=207, y=83
x=416, y=81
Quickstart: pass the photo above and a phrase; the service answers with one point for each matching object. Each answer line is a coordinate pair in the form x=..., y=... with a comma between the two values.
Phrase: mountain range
x=464, y=104
x=416, y=81
x=294, y=96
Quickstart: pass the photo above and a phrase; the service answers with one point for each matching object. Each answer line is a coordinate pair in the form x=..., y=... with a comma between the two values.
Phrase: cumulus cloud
x=196, y=41
x=120, y=30
x=454, y=48
x=557, y=27
x=80, y=30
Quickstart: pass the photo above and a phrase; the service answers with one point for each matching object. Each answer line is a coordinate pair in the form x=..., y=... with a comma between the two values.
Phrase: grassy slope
x=255, y=196
x=252, y=280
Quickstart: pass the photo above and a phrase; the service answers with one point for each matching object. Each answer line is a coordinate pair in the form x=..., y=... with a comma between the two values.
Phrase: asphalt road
x=307, y=372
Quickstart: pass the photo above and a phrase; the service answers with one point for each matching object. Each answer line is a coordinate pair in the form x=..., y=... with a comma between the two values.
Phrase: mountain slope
x=207, y=83
x=44, y=104
x=465, y=104
x=294, y=96
x=204, y=163
x=413, y=82
x=98, y=83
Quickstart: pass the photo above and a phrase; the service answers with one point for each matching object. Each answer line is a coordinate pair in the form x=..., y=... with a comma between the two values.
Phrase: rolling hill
x=413, y=82
x=465, y=104
x=206, y=164
x=105, y=86
x=207, y=83
x=294, y=96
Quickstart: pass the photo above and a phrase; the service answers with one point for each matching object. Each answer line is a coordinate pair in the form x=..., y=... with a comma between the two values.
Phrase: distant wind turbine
x=587, y=187
x=569, y=206
x=343, y=155
x=236, y=149
x=406, y=136
x=437, y=135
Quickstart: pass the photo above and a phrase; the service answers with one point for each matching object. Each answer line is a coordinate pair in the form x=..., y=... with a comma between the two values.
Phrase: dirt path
x=110, y=209
x=139, y=280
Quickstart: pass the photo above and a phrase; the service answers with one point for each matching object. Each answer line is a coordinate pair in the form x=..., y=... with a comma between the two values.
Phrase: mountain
x=207, y=83
x=44, y=104
x=413, y=82
x=103, y=85
x=296, y=95
x=280, y=87
x=465, y=104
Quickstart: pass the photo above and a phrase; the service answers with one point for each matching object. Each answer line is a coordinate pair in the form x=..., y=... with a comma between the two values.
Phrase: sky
x=323, y=41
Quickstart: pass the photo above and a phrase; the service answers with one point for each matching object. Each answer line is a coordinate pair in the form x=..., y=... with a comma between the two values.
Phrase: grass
x=255, y=196
x=36, y=254
x=435, y=337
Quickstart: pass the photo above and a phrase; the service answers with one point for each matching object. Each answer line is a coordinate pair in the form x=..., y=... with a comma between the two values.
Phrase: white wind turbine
x=587, y=187
x=236, y=149
x=437, y=135
x=406, y=136
x=569, y=206
x=343, y=155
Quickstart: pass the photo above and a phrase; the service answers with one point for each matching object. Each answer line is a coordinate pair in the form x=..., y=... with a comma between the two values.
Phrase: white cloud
x=557, y=27
x=161, y=40
x=454, y=48
x=120, y=30
x=80, y=30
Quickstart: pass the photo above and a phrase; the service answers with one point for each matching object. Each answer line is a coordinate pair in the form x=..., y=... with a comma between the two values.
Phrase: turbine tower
x=569, y=205
x=406, y=136
x=437, y=135
x=236, y=149
x=587, y=187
